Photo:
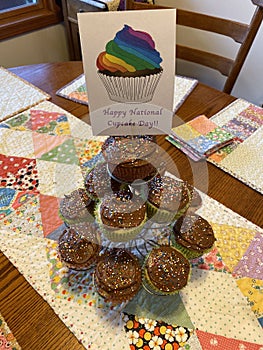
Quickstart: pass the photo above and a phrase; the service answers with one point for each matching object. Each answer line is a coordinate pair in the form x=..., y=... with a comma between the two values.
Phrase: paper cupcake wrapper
x=190, y=254
x=88, y=218
x=121, y=235
x=130, y=89
x=161, y=216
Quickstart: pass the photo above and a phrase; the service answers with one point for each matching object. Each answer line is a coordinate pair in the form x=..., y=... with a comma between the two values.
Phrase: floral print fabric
x=7, y=339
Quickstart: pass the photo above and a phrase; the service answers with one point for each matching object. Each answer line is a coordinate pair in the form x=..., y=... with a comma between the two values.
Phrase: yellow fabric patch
x=186, y=132
x=253, y=290
x=232, y=242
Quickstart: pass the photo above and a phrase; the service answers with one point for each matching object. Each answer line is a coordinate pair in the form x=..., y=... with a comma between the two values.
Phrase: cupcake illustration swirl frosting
x=130, y=66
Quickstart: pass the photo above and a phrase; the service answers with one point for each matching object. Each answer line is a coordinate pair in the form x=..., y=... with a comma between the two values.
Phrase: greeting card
x=129, y=66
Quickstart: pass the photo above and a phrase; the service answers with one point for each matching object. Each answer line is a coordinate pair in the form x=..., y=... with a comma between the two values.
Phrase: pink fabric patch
x=41, y=118
x=49, y=208
x=202, y=124
x=210, y=341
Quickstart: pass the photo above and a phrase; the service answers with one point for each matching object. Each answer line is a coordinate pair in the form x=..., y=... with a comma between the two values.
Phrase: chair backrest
x=242, y=33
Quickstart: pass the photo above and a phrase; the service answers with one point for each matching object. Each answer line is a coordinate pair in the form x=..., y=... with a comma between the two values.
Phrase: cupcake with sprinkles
x=79, y=250
x=77, y=207
x=165, y=270
x=118, y=276
x=130, y=66
x=193, y=236
x=131, y=158
x=121, y=216
x=98, y=182
x=167, y=200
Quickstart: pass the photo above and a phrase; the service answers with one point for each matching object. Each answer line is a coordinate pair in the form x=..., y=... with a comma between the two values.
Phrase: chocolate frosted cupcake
x=77, y=207
x=79, y=251
x=165, y=271
x=121, y=216
x=118, y=276
x=193, y=236
x=131, y=158
x=98, y=182
x=167, y=200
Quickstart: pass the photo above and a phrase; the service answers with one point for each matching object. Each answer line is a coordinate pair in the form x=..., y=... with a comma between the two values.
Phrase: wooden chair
x=242, y=33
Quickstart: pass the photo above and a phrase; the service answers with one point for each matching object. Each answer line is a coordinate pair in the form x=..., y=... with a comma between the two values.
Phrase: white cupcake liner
x=130, y=89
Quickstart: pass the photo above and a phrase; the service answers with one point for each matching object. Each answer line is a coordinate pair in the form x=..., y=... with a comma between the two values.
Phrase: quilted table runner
x=44, y=153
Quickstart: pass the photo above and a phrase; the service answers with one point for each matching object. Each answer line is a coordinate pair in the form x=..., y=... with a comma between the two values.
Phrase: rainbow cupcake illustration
x=130, y=66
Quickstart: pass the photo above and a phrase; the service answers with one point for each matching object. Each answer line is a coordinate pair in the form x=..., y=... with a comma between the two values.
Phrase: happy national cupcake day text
x=116, y=115
x=132, y=112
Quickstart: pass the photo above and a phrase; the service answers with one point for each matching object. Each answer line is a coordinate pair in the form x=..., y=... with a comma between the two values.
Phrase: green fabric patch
x=64, y=153
x=169, y=309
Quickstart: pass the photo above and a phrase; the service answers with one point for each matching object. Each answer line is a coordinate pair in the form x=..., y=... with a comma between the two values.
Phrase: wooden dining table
x=31, y=319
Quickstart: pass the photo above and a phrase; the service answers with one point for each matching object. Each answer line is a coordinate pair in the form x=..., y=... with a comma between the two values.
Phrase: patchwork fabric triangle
x=49, y=208
x=211, y=261
x=87, y=149
x=210, y=341
x=16, y=143
x=20, y=122
x=64, y=153
x=253, y=290
x=26, y=219
x=212, y=308
x=43, y=143
x=11, y=200
x=144, y=333
x=18, y=173
x=232, y=242
x=58, y=179
x=53, y=123
x=251, y=263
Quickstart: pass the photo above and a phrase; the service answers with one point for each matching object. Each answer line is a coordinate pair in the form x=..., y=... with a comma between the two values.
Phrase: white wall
x=40, y=46
x=50, y=45
x=250, y=81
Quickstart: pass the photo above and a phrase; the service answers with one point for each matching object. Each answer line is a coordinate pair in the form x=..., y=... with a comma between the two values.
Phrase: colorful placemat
x=44, y=153
x=241, y=122
x=17, y=94
x=7, y=339
x=76, y=90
